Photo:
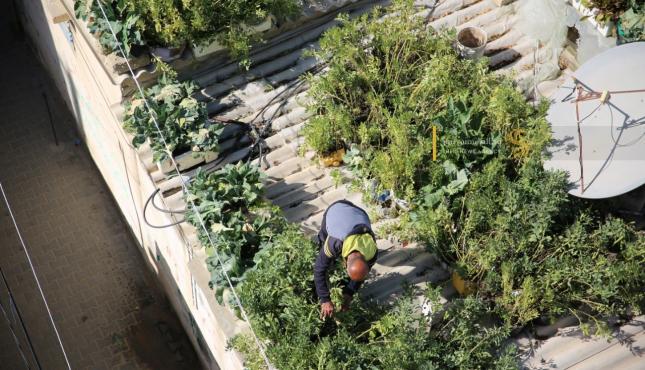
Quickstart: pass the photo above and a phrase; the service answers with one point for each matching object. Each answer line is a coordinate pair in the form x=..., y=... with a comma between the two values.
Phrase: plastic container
x=333, y=159
x=471, y=42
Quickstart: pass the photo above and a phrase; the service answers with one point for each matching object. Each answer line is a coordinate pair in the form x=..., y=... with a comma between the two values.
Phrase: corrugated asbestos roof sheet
x=303, y=189
x=569, y=349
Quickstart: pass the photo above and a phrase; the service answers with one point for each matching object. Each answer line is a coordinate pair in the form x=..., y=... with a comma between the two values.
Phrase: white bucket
x=471, y=42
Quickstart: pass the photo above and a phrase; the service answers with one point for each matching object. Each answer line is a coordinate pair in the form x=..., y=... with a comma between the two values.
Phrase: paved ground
x=105, y=303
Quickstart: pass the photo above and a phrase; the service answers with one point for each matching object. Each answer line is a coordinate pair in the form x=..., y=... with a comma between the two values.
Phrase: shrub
x=279, y=296
x=385, y=91
x=531, y=248
x=183, y=120
x=175, y=22
x=487, y=206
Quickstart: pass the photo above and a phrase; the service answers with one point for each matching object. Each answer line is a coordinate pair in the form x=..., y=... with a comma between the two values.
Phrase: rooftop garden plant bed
x=484, y=203
x=280, y=298
x=172, y=24
x=486, y=206
x=239, y=221
x=270, y=263
x=182, y=119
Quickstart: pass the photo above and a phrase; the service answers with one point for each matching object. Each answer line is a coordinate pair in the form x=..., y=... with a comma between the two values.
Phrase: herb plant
x=533, y=250
x=270, y=262
x=182, y=119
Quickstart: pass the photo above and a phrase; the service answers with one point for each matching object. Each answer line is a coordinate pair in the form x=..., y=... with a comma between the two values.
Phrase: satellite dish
x=597, y=119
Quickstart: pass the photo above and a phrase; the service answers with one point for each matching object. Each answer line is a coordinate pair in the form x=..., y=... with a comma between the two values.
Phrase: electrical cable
x=266, y=123
x=184, y=187
x=145, y=218
x=170, y=211
x=12, y=302
x=33, y=271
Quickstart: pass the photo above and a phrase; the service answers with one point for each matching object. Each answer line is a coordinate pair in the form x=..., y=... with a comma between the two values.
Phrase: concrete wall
x=94, y=96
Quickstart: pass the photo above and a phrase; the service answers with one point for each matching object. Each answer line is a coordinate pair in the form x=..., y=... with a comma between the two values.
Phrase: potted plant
x=191, y=137
x=168, y=53
x=118, y=17
x=602, y=14
x=222, y=41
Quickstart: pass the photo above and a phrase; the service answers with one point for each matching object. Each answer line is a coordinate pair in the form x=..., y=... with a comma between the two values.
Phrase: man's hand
x=347, y=299
x=326, y=309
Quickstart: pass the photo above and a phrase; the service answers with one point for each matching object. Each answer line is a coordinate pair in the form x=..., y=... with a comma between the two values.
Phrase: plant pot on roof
x=186, y=159
x=201, y=50
x=471, y=42
x=600, y=13
x=462, y=286
x=183, y=121
x=333, y=159
x=168, y=54
x=120, y=18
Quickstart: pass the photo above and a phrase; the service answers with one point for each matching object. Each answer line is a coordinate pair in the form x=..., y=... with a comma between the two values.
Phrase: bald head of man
x=357, y=267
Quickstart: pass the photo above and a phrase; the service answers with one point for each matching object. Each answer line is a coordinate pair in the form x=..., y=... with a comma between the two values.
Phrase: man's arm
x=323, y=262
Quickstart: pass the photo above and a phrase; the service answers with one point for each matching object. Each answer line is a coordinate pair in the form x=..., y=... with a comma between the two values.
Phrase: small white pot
x=471, y=42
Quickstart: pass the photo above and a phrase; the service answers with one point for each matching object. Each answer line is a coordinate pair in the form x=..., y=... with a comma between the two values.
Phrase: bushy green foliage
x=125, y=23
x=486, y=205
x=182, y=119
x=537, y=252
x=239, y=221
x=172, y=23
x=279, y=295
x=389, y=83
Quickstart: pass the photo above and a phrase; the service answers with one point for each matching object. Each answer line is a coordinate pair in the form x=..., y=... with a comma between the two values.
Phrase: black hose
x=145, y=219
x=164, y=210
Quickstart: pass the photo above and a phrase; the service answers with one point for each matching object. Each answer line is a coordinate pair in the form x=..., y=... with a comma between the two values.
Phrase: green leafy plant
x=532, y=249
x=175, y=22
x=270, y=262
x=182, y=119
x=239, y=221
x=486, y=205
x=536, y=252
x=125, y=23
x=387, y=92
x=279, y=296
